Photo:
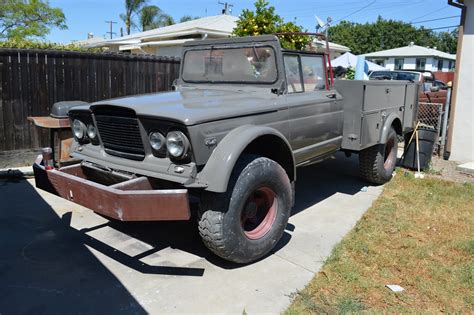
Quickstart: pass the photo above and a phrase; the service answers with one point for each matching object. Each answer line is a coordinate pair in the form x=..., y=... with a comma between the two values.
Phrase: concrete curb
x=467, y=168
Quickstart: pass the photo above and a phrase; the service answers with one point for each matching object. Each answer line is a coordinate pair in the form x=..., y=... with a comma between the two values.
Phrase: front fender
x=389, y=121
x=217, y=171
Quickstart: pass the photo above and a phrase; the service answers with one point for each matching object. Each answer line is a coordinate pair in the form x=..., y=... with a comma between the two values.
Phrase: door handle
x=331, y=95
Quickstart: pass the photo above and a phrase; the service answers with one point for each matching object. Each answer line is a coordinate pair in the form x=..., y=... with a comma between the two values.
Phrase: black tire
x=378, y=162
x=246, y=222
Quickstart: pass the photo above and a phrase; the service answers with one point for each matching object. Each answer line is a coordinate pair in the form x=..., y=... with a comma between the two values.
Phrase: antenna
x=227, y=7
x=325, y=27
x=111, y=32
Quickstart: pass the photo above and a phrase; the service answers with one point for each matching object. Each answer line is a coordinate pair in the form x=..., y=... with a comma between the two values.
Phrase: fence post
x=445, y=119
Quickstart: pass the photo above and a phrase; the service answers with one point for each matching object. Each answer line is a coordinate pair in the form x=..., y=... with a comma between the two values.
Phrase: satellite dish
x=321, y=24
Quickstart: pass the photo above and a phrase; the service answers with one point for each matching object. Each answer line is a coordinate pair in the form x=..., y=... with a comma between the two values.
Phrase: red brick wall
x=444, y=76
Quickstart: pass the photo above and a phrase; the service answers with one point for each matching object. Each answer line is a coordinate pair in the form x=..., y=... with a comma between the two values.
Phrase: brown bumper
x=130, y=200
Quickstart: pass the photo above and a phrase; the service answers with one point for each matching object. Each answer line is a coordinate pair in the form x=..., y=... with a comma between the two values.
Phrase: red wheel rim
x=389, y=156
x=259, y=213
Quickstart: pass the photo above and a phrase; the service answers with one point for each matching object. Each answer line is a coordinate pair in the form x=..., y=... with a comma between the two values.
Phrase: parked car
x=431, y=92
x=440, y=84
x=244, y=115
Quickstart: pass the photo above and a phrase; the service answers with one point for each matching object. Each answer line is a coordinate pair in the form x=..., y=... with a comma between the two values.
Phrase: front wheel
x=378, y=162
x=245, y=223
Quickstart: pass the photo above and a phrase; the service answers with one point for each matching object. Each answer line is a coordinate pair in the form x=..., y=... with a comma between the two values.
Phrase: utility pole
x=227, y=7
x=111, y=32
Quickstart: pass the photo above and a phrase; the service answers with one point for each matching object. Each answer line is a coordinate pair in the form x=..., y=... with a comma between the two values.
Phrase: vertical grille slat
x=120, y=134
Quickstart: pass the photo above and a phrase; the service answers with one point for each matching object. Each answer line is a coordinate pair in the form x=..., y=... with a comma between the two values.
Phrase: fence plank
x=2, y=74
x=31, y=80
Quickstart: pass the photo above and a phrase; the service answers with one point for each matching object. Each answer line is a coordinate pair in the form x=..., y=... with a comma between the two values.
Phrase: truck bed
x=368, y=105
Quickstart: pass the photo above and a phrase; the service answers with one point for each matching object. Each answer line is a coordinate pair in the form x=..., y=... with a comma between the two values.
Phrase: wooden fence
x=32, y=80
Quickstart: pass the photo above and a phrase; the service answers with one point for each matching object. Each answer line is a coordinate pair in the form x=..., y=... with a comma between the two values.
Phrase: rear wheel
x=245, y=223
x=378, y=162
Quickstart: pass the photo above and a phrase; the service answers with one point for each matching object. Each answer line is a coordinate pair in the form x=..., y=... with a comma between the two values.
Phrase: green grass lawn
x=419, y=234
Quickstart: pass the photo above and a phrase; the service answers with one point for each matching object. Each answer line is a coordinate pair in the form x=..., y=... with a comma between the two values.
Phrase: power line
x=429, y=13
x=356, y=11
x=443, y=18
x=440, y=28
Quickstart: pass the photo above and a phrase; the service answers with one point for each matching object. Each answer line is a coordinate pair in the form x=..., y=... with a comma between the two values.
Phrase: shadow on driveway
x=45, y=266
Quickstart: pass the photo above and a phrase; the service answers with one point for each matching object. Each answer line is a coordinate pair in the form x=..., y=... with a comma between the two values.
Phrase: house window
x=380, y=62
x=451, y=65
x=399, y=63
x=440, y=65
x=420, y=63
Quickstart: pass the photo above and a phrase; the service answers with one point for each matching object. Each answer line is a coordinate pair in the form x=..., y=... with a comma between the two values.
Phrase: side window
x=314, y=76
x=293, y=74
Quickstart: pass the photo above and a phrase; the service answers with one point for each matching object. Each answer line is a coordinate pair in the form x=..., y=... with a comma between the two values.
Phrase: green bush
x=31, y=44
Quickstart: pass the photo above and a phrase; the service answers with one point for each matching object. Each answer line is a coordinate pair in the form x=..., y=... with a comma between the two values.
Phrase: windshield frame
x=223, y=47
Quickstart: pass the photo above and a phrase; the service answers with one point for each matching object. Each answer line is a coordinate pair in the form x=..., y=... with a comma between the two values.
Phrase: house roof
x=213, y=25
x=332, y=46
x=411, y=51
x=216, y=26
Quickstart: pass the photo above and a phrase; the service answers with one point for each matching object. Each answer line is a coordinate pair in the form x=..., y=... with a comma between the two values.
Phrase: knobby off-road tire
x=246, y=222
x=378, y=162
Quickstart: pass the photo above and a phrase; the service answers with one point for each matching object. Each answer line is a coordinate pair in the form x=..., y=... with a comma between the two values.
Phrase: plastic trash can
x=426, y=142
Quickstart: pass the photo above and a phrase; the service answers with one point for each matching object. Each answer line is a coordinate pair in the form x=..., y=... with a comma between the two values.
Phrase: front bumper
x=126, y=200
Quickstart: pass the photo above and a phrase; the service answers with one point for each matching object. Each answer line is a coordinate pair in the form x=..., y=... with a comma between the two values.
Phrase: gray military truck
x=244, y=114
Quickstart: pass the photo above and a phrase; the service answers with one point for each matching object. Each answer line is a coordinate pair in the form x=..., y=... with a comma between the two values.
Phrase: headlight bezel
x=156, y=124
x=161, y=137
x=89, y=128
x=177, y=136
x=81, y=127
x=84, y=117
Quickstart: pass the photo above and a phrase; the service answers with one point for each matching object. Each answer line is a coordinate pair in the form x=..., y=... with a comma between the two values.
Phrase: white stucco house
x=461, y=121
x=168, y=40
x=414, y=57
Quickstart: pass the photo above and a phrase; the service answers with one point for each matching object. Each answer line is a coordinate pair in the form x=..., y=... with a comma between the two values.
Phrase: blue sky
x=84, y=16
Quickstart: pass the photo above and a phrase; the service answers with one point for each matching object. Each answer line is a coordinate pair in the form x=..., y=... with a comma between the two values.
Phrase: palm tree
x=187, y=18
x=148, y=16
x=152, y=16
x=131, y=7
x=165, y=20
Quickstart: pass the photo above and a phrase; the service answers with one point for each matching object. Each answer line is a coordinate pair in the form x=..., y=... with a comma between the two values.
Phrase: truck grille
x=120, y=136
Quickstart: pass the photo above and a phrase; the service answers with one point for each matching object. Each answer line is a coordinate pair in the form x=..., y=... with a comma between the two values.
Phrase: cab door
x=315, y=112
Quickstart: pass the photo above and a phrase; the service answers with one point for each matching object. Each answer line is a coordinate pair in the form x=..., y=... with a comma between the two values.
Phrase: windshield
x=230, y=65
x=394, y=75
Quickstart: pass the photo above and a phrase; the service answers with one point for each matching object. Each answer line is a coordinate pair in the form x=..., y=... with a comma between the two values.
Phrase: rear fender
x=218, y=169
x=391, y=120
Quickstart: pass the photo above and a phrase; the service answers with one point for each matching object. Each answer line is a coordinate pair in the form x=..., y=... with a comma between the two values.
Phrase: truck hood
x=195, y=106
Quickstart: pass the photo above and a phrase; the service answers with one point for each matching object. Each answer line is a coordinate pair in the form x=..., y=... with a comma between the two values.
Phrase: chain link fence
x=430, y=115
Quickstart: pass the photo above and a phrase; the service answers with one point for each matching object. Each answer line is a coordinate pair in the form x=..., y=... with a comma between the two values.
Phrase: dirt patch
x=446, y=170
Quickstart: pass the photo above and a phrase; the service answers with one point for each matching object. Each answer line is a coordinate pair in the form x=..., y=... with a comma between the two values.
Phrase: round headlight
x=91, y=132
x=79, y=129
x=176, y=143
x=157, y=140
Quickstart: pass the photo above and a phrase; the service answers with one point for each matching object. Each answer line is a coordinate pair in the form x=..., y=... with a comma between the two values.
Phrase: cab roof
x=233, y=40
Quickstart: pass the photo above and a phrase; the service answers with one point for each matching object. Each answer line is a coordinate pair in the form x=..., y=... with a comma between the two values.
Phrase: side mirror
x=434, y=89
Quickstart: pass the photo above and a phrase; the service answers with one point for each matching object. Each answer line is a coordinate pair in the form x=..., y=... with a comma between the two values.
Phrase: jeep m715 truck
x=244, y=114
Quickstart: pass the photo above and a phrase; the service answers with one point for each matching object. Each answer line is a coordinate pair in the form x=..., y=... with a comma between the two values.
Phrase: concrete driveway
x=57, y=257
